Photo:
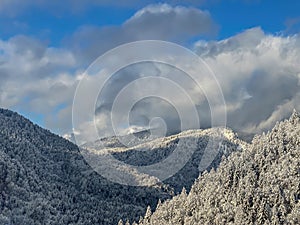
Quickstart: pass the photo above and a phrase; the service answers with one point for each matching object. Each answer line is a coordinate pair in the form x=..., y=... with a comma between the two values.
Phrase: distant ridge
x=147, y=151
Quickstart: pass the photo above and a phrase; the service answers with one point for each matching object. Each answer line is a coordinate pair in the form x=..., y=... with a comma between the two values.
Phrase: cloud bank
x=259, y=73
x=37, y=79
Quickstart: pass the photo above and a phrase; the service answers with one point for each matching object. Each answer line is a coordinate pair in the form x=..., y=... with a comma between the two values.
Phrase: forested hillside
x=260, y=185
x=45, y=180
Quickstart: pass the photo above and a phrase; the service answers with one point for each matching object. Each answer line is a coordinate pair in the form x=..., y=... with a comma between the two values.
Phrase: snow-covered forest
x=260, y=185
x=45, y=180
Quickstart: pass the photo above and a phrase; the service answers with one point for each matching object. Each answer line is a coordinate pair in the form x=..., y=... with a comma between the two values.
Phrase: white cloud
x=282, y=111
x=35, y=78
x=258, y=74
x=158, y=21
x=162, y=21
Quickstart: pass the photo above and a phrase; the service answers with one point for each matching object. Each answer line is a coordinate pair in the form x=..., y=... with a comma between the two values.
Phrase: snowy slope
x=45, y=180
x=147, y=152
x=260, y=185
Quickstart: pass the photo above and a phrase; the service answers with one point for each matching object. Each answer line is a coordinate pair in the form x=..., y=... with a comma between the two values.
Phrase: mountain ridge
x=153, y=151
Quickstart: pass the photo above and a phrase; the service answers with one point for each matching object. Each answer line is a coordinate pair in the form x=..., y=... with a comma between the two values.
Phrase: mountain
x=45, y=180
x=146, y=151
x=259, y=185
x=118, y=141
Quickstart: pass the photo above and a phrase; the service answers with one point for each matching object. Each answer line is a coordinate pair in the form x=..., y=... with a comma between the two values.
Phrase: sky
x=253, y=48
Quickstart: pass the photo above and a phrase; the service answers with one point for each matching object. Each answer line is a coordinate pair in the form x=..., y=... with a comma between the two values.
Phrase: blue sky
x=45, y=46
x=54, y=25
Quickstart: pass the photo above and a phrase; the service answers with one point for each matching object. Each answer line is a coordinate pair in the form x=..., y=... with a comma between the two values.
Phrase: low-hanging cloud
x=259, y=74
